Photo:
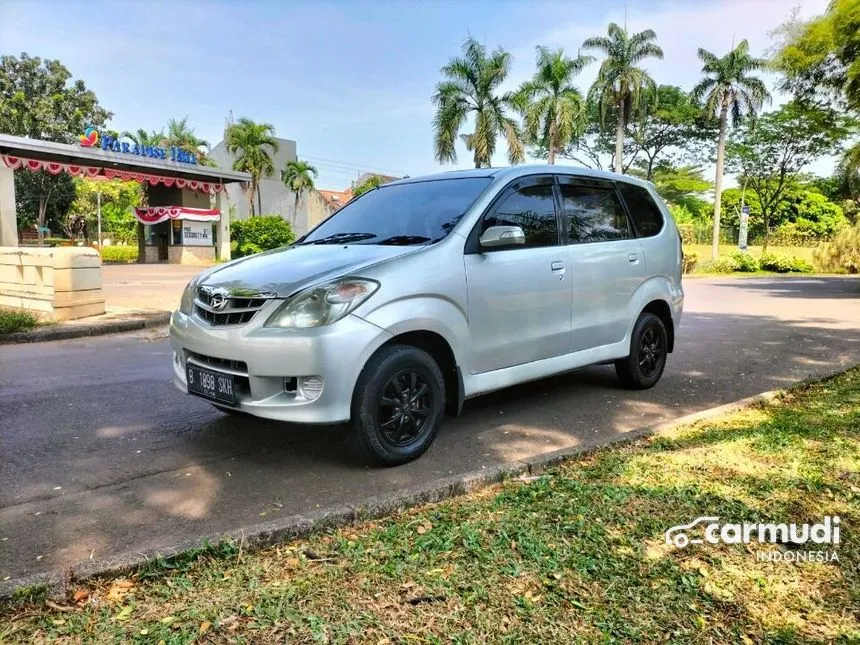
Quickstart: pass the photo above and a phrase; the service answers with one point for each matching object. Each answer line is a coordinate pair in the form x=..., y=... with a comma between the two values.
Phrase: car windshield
x=414, y=213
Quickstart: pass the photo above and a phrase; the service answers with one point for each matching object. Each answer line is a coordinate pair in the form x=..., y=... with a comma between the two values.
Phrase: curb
x=300, y=526
x=75, y=330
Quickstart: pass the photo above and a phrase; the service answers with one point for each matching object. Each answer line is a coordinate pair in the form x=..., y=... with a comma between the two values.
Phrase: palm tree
x=298, y=176
x=552, y=107
x=728, y=86
x=470, y=88
x=181, y=136
x=620, y=83
x=253, y=144
x=143, y=138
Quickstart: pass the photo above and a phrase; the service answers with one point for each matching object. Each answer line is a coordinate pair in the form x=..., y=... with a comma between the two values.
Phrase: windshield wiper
x=404, y=240
x=341, y=238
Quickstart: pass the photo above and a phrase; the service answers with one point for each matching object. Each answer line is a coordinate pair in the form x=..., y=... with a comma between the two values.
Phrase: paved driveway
x=145, y=286
x=100, y=455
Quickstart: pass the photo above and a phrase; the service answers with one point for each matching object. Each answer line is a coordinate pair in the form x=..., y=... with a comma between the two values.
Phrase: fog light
x=310, y=387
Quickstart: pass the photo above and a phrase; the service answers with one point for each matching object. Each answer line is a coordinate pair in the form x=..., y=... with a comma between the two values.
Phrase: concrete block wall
x=60, y=283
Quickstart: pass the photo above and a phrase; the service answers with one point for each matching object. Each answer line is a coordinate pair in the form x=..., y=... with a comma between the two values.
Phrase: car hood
x=284, y=271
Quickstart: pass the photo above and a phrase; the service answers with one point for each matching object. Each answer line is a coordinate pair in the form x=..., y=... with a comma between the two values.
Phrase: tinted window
x=593, y=212
x=531, y=208
x=646, y=216
x=414, y=213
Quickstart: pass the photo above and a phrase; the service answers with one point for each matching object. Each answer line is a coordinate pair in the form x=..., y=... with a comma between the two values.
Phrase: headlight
x=324, y=304
x=187, y=302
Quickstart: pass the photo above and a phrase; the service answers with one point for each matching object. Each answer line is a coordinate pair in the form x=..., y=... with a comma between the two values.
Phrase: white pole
x=99, y=216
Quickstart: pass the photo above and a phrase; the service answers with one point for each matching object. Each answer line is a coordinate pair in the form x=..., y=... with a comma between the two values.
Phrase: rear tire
x=398, y=405
x=648, y=350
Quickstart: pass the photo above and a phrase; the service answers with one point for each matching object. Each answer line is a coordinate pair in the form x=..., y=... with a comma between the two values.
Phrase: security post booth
x=185, y=219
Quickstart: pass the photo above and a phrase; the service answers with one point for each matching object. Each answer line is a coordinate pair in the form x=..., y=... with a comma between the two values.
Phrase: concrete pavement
x=100, y=455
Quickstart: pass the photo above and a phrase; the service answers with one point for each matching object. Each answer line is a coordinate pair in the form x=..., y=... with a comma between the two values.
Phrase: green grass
x=119, y=253
x=704, y=251
x=12, y=320
x=577, y=555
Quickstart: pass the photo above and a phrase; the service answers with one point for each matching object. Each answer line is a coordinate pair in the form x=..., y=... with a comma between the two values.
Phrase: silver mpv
x=425, y=292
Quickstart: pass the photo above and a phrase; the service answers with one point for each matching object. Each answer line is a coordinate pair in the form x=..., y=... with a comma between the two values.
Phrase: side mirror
x=498, y=236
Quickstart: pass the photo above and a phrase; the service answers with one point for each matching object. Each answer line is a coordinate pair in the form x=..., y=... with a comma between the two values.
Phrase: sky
x=350, y=81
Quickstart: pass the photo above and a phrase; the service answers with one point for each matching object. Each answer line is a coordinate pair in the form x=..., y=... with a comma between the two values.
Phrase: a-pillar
x=8, y=218
x=222, y=203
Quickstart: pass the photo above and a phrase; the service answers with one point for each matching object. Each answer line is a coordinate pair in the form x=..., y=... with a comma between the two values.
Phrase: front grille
x=236, y=310
x=219, y=363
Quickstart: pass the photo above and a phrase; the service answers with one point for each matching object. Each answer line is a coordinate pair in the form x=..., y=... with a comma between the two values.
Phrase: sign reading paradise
x=91, y=139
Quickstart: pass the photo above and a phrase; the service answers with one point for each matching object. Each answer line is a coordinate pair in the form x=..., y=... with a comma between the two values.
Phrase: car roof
x=512, y=172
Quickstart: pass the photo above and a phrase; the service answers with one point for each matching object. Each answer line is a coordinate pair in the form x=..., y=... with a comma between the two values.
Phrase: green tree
x=368, y=184
x=143, y=138
x=553, y=109
x=621, y=83
x=39, y=99
x=728, y=86
x=771, y=153
x=254, y=144
x=181, y=135
x=681, y=185
x=117, y=200
x=670, y=127
x=298, y=176
x=471, y=89
x=820, y=58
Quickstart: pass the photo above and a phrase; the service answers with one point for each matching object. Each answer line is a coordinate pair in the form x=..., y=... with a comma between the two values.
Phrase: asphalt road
x=100, y=455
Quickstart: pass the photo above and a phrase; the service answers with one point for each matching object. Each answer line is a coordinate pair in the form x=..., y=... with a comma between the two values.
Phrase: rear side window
x=530, y=207
x=592, y=212
x=646, y=216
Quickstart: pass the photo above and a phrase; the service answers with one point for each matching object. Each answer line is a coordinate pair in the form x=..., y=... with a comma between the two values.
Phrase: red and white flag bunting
x=158, y=214
x=56, y=168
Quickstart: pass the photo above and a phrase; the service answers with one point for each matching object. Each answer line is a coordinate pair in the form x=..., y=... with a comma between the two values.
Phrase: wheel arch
x=440, y=350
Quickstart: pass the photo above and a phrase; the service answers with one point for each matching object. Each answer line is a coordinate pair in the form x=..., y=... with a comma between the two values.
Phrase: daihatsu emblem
x=218, y=301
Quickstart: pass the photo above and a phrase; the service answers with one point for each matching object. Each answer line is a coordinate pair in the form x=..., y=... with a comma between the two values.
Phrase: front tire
x=398, y=405
x=648, y=350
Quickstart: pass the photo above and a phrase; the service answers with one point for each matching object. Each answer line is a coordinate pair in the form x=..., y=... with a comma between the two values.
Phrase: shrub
x=687, y=232
x=745, y=262
x=119, y=253
x=690, y=260
x=842, y=253
x=12, y=320
x=724, y=265
x=792, y=234
x=781, y=264
x=257, y=234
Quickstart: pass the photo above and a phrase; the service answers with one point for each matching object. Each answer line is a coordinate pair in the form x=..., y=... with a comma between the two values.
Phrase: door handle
x=633, y=258
x=558, y=265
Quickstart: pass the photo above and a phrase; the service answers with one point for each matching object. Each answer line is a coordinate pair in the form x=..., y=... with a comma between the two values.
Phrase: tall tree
x=771, y=153
x=471, y=89
x=728, y=86
x=298, y=176
x=39, y=99
x=668, y=128
x=621, y=83
x=553, y=108
x=181, y=135
x=143, y=138
x=254, y=144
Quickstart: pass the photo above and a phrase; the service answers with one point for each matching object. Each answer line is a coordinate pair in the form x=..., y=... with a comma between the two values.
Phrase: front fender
x=426, y=313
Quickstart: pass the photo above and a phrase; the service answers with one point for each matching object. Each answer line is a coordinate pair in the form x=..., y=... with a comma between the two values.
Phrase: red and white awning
x=56, y=168
x=158, y=214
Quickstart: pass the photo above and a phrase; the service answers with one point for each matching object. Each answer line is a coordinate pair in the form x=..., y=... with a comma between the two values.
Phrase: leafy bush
x=782, y=264
x=12, y=320
x=681, y=214
x=842, y=253
x=690, y=261
x=257, y=234
x=725, y=265
x=792, y=234
x=687, y=232
x=119, y=253
x=745, y=262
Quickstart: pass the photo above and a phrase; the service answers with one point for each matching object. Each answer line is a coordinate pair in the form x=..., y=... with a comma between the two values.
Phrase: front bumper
x=336, y=352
